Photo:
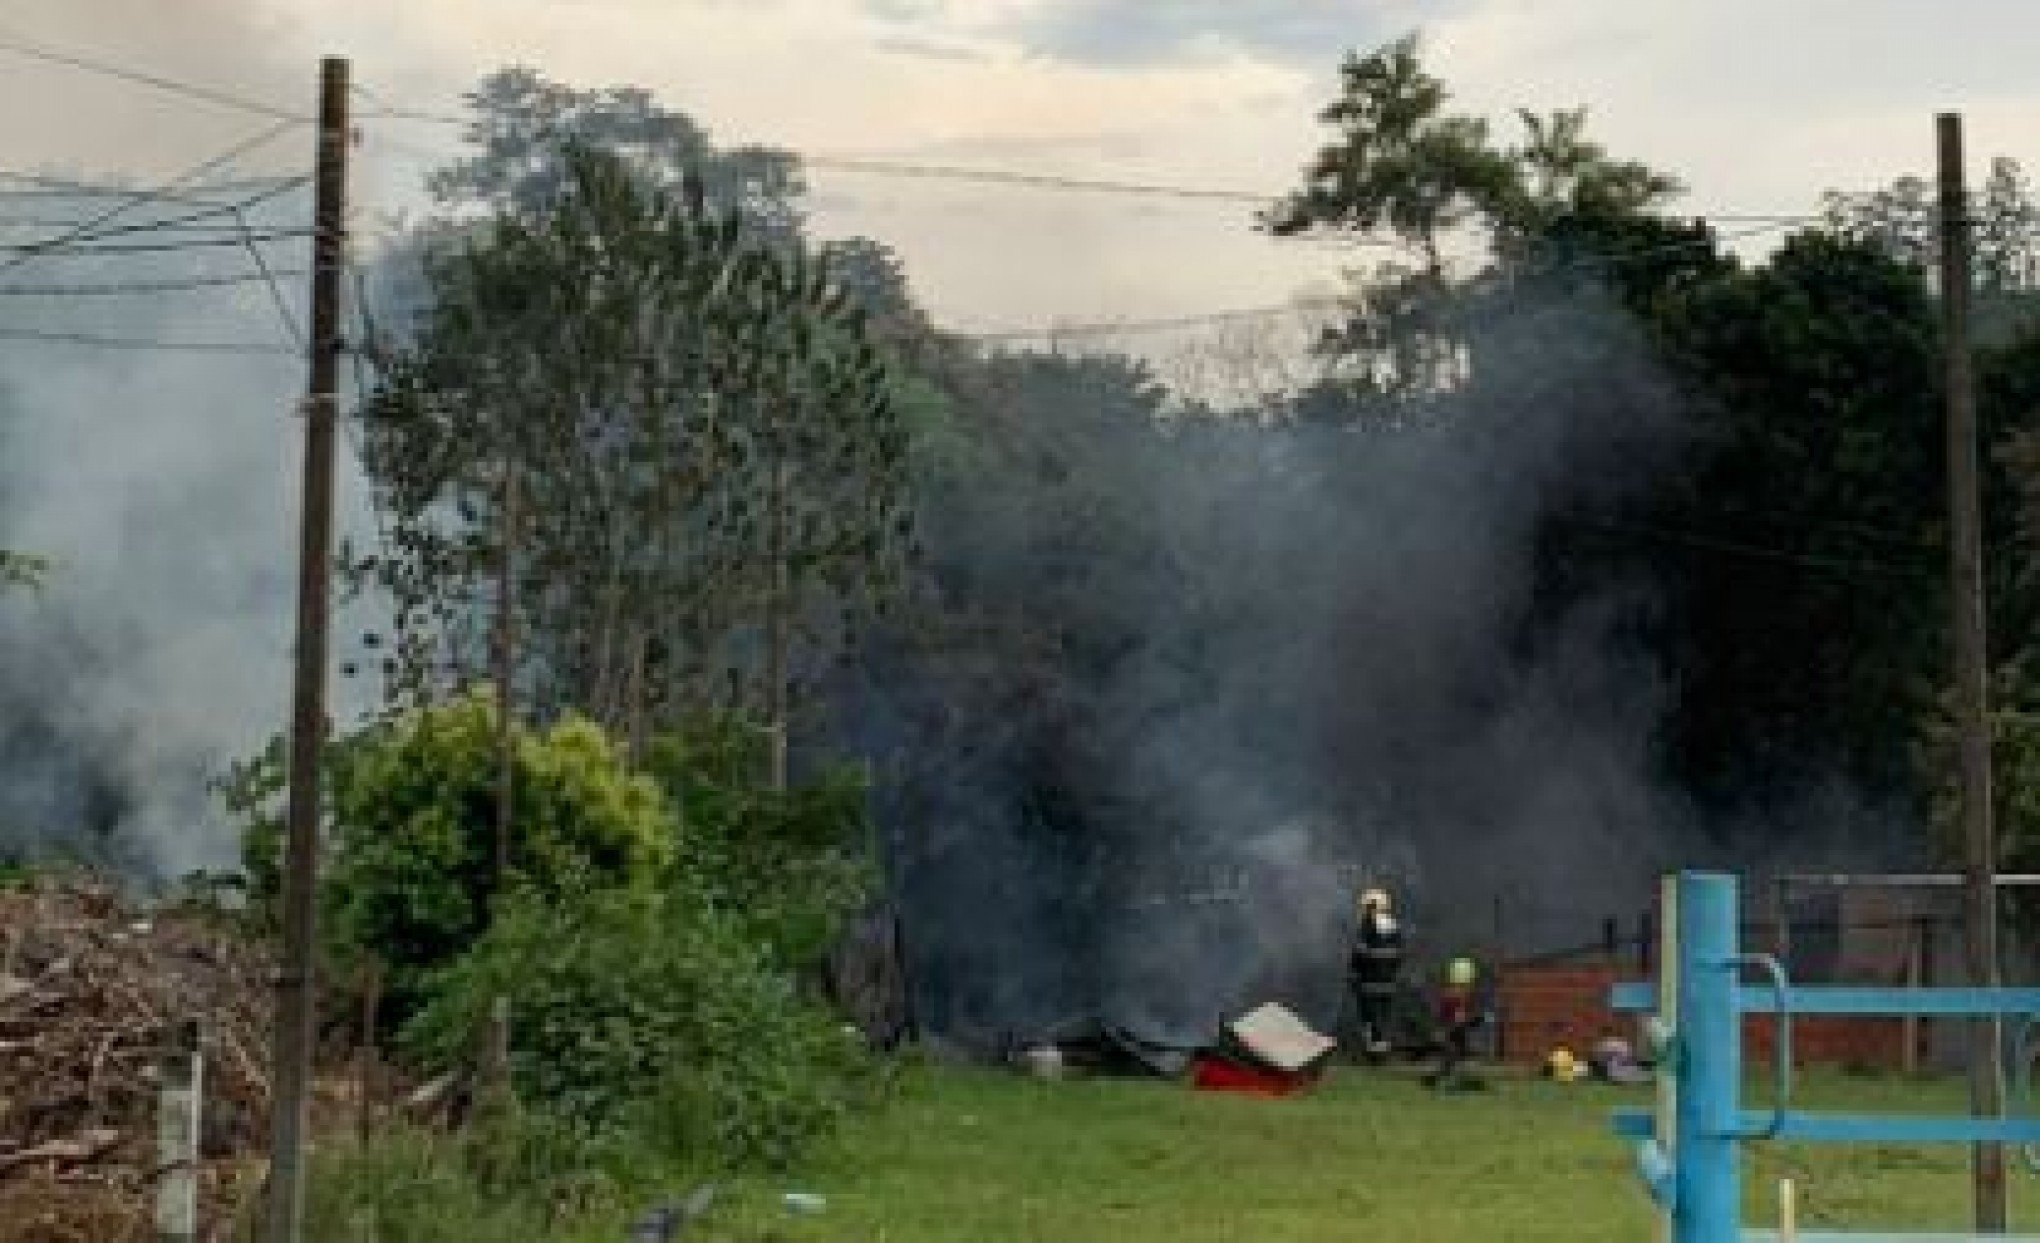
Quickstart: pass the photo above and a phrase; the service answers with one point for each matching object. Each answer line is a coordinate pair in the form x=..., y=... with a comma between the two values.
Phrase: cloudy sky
x=1758, y=104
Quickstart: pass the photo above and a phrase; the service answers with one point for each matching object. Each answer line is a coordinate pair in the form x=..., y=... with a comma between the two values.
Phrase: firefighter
x=1458, y=1018
x=1375, y=969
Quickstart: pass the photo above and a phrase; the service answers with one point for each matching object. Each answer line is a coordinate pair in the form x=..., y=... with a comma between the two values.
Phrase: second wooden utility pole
x=290, y=1077
x=1972, y=687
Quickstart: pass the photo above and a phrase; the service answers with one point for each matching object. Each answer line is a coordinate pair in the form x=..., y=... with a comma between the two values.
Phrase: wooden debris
x=87, y=999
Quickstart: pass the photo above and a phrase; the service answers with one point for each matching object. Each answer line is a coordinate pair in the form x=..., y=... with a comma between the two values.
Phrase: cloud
x=1115, y=144
x=906, y=10
x=1316, y=32
x=927, y=49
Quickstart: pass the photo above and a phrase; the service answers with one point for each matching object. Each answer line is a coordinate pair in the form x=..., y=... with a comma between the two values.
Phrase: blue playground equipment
x=1689, y=1147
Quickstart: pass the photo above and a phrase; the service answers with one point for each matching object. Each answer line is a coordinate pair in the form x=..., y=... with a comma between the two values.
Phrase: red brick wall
x=1830, y=1041
x=1545, y=1007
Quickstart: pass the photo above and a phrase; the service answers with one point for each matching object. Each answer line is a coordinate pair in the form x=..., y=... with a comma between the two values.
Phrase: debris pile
x=1267, y=1052
x=90, y=991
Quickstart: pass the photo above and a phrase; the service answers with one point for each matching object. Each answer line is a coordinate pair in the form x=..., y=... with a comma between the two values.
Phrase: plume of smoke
x=1334, y=656
x=164, y=486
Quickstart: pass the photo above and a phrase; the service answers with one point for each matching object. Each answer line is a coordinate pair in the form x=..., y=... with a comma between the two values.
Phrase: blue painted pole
x=1709, y=1204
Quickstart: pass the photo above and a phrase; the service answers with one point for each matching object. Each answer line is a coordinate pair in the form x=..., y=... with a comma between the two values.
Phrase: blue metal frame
x=1688, y=1157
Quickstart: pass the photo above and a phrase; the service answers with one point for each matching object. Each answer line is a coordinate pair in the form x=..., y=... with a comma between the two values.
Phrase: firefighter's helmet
x=1460, y=973
x=1375, y=899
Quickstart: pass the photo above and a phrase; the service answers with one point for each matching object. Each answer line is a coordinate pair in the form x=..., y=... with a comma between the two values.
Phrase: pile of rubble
x=90, y=991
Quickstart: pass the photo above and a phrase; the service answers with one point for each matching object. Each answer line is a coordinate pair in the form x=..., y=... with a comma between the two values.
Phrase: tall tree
x=706, y=441
x=1902, y=220
x=1403, y=167
x=1809, y=592
x=524, y=124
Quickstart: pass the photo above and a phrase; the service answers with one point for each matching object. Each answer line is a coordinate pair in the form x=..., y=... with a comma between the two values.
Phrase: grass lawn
x=991, y=1158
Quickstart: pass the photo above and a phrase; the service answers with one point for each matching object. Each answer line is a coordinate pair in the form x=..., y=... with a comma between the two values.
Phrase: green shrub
x=649, y=1014
x=790, y=865
x=509, y=1178
x=409, y=867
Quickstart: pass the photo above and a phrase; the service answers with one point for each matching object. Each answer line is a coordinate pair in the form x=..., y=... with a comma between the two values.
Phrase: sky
x=1759, y=105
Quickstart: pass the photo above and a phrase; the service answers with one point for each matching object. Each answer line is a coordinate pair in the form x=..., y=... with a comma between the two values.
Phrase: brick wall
x=1545, y=1007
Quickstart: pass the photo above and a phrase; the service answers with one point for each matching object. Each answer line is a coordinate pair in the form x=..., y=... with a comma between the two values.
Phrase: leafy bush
x=790, y=865
x=409, y=870
x=651, y=1014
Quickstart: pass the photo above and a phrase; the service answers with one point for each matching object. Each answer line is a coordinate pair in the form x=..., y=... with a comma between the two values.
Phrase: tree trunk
x=506, y=665
x=778, y=632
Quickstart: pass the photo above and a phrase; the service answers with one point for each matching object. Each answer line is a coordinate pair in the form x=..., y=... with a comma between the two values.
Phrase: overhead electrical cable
x=17, y=47
x=85, y=230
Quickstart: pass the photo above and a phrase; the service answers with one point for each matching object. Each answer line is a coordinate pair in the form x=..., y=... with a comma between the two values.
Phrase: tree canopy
x=701, y=429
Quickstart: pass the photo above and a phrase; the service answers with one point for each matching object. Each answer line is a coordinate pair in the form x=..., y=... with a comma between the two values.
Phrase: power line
x=939, y=172
x=46, y=186
x=1039, y=181
x=1132, y=327
x=881, y=167
x=141, y=78
x=93, y=340
x=165, y=247
x=85, y=231
x=892, y=168
x=1843, y=568
x=1129, y=327
x=167, y=226
x=137, y=287
x=235, y=209
x=276, y=297
x=1044, y=181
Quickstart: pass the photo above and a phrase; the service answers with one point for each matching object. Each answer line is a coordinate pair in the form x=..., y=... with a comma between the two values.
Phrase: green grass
x=986, y=1158
x=980, y=1157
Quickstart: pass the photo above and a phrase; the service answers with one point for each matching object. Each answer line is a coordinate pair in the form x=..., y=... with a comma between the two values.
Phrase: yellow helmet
x=1460, y=972
x=1562, y=1066
x=1376, y=899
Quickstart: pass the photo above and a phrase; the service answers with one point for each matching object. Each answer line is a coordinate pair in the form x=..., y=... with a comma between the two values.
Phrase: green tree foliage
x=19, y=569
x=786, y=866
x=409, y=874
x=1401, y=165
x=1798, y=547
x=1808, y=594
x=1903, y=219
x=651, y=1014
x=704, y=434
x=524, y=125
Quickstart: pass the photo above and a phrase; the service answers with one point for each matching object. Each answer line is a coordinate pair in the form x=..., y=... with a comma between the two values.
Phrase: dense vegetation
x=772, y=564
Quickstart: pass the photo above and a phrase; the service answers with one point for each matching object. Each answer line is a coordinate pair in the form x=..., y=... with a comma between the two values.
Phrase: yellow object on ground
x=1563, y=1067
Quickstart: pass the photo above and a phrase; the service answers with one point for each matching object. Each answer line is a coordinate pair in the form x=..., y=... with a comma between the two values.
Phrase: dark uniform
x=1375, y=970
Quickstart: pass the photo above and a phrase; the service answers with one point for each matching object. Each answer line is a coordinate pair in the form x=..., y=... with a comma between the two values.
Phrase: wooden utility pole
x=1971, y=652
x=506, y=665
x=290, y=1077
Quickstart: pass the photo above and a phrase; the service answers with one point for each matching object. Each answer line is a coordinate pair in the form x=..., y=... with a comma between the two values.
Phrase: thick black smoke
x=1203, y=676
